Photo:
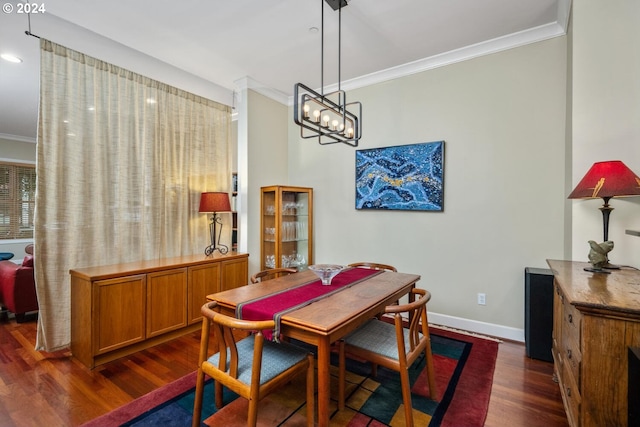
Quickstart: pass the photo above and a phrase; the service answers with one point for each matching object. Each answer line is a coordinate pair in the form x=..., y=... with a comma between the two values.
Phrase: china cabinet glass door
x=286, y=227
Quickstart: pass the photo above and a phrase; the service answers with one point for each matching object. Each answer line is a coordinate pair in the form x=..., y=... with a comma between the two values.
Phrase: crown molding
x=499, y=44
x=564, y=12
x=250, y=83
x=519, y=39
x=17, y=138
x=489, y=47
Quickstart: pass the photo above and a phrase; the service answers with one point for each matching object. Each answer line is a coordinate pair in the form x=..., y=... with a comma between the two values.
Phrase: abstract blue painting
x=402, y=177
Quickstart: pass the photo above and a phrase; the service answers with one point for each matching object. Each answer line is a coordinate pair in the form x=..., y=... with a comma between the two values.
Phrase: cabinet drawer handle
x=569, y=391
x=570, y=317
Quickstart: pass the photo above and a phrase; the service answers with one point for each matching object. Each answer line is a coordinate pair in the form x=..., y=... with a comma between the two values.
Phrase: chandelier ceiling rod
x=339, y=44
x=322, y=50
x=328, y=116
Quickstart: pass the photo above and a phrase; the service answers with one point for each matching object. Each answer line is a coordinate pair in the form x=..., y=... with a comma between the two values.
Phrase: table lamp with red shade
x=607, y=180
x=214, y=202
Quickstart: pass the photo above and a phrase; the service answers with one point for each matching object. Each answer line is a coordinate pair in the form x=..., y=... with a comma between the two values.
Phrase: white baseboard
x=491, y=329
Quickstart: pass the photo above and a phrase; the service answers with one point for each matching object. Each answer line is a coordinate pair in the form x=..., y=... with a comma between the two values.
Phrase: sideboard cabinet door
x=119, y=312
x=235, y=273
x=166, y=301
x=203, y=280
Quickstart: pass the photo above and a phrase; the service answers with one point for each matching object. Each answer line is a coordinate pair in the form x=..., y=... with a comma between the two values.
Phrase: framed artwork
x=403, y=177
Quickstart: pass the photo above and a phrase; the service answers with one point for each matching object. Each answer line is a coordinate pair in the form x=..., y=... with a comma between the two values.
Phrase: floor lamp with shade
x=607, y=180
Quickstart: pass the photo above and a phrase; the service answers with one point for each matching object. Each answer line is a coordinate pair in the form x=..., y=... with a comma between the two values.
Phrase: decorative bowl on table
x=326, y=272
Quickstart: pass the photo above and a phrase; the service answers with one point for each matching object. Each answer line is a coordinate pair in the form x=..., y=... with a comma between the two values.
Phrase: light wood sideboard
x=596, y=319
x=119, y=309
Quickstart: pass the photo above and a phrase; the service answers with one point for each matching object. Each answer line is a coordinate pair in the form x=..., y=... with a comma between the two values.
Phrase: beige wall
x=262, y=161
x=606, y=117
x=17, y=151
x=502, y=117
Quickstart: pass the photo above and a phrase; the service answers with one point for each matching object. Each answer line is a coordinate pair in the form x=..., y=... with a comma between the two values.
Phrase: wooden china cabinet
x=286, y=227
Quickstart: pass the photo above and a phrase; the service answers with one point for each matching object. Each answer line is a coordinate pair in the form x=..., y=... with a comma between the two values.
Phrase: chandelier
x=327, y=117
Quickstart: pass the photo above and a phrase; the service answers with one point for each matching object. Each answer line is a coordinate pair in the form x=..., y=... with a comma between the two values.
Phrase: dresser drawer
x=571, y=322
x=570, y=395
x=571, y=358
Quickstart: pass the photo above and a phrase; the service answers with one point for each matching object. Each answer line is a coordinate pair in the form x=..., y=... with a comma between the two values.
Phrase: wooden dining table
x=325, y=320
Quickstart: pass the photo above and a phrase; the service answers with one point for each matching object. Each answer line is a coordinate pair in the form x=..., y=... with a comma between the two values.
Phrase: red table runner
x=274, y=306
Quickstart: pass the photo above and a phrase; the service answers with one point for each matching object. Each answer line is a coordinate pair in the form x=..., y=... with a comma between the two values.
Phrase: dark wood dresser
x=596, y=319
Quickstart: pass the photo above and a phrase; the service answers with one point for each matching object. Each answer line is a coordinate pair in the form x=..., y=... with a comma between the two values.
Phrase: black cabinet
x=538, y=313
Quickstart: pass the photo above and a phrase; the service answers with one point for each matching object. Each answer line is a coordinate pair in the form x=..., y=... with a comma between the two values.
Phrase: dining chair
x=271, y=273
x=374, y=265
x=251, y=366
x=393, y=346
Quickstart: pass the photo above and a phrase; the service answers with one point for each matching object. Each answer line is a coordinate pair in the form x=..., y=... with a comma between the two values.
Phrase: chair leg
x=311, y=398
x=197, y=403
x=219, y=392
x=431, y=373
x=341, y=375
x=252, y=415
x=406, y=397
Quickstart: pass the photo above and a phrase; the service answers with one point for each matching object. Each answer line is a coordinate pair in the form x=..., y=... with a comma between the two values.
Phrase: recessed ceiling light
x=11, y=58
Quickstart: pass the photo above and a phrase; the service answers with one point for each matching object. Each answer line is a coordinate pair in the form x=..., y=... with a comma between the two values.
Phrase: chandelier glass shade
x=327, y=117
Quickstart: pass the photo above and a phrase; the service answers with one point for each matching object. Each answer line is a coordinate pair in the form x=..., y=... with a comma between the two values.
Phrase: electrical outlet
x=482, y=299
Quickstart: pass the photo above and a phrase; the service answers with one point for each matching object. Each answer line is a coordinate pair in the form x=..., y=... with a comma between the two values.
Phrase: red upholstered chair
x=18, y=287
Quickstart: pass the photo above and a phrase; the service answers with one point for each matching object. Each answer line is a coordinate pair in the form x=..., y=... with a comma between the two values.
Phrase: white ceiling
x=225, y=41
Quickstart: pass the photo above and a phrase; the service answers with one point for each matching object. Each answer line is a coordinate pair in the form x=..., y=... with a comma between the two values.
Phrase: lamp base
x=215, y=237
x=596, y=270
x=611, y=266
x=223, y=249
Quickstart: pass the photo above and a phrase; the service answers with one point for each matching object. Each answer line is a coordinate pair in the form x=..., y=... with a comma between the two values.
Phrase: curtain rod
x=28, y=32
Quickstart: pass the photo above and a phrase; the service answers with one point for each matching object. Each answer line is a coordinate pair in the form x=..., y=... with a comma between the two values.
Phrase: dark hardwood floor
x=54, y=389
x=523, y=392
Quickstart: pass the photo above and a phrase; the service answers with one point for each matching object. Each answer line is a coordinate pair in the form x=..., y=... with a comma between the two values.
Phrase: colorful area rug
x=464, y=366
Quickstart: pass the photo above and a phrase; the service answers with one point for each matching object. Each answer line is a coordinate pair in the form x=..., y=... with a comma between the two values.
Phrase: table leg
x=324, y=381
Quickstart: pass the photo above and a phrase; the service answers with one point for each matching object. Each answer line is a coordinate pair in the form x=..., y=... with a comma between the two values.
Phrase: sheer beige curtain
x=121, y=162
